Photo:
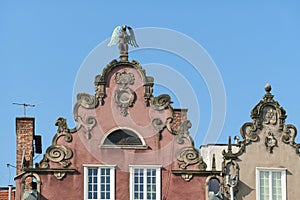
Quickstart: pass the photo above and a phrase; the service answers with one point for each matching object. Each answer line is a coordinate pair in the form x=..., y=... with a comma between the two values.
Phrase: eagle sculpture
x=121, y=37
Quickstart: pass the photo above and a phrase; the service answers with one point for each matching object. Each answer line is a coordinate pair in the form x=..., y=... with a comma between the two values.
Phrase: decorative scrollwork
x=86, y=100
x=161, y=102
x=89, y=102
x=229, y=154
x=268, y=111
x=268, y=124
x=183, y=132
x=248, y=132
x=188, y=155
x=124, y=79
x=289, y=134
x=101, y=80
x=59, y=153
x=88, y=125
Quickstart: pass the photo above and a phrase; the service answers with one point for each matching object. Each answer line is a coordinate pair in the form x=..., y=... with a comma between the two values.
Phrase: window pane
x=95, y=191
x=90, y=195
x=214, y=185
x=271, y=185
x=144, y=184
x=264, y=185
x=276, y=186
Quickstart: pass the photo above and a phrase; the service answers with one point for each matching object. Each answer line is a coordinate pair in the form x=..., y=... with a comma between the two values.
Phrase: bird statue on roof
x=121, y=36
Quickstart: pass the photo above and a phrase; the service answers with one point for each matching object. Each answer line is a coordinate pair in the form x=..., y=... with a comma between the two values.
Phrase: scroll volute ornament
x=59, y=153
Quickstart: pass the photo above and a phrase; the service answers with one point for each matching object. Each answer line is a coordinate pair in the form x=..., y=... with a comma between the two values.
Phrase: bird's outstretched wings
x=132, y=40
x=115, y=37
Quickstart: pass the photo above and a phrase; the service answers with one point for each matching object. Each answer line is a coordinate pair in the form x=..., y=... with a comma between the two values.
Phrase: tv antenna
x=24, y=105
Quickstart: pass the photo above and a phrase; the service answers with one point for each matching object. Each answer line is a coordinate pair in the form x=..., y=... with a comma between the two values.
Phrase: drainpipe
x=231, y=193
x=9, y=192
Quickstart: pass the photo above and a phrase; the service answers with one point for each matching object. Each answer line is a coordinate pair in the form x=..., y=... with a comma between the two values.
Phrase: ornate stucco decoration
x=59, y=153
x=186, y=177
x=268, y=111
x=270, y=141
x=289, y=135
x=229, y=155
x=187, y=155
x=88, y=102
x=159, y=126
x=101, y=81
x=190, y=156
x=124, y=96
x=268, y=125
x=231, y=180
x=183, y=132
x=161, y=102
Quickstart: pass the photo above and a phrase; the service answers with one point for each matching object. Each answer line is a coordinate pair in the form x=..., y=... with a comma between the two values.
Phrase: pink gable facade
x=125, y=129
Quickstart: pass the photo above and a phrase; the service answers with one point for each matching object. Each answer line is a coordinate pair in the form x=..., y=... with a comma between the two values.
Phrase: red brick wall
x=4, y=195
x=24, y=134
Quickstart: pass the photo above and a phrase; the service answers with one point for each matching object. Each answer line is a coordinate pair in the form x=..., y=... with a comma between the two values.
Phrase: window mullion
x=270, y=185
x=98, y=183
x=112, y=180
x=145, y=184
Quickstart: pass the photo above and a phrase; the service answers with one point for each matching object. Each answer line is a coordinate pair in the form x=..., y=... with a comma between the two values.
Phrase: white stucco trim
x=112, y=179
x=283, y=180
x=158, y=179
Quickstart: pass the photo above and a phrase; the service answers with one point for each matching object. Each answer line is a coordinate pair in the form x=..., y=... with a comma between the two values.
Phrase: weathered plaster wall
x=256, y=155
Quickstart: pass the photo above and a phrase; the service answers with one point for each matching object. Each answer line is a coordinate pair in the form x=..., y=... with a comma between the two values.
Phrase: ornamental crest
x=124, y=96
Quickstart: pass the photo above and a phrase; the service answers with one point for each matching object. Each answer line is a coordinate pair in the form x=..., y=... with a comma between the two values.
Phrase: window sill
x=141, y=147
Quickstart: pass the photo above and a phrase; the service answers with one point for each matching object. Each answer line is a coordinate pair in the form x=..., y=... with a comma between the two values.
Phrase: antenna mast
x=24, y=105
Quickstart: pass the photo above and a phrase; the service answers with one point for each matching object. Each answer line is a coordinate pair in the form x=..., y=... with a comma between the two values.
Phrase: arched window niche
x=213, y=188
x=123, y=138
x=31, y=186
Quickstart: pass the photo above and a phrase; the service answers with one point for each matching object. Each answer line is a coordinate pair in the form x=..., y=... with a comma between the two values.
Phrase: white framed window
x=99, y=182
x=145, y=182
x=270, y=184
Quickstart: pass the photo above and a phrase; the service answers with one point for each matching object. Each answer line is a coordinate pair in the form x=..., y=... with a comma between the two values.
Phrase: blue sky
x=43, y=45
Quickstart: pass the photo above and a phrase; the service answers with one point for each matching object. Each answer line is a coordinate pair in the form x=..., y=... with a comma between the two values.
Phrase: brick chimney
x=25, y=136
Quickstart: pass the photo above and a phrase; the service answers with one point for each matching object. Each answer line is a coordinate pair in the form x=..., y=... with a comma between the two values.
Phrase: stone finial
x=268, y=87
x=268, y=97
x=213, y=165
